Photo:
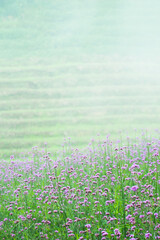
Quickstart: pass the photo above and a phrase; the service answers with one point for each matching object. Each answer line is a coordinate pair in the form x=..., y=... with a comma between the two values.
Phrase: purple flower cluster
x=99, y=194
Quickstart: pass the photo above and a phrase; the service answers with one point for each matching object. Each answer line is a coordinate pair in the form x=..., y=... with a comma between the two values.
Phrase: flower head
x=134, y=188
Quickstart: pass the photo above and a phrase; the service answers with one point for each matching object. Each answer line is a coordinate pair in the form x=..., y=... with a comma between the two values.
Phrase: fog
x=77, y=68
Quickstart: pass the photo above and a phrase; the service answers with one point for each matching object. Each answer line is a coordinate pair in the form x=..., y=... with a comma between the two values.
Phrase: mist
x=77, y=69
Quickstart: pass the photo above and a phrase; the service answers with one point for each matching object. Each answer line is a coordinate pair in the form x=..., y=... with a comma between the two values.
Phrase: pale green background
x=77, y=68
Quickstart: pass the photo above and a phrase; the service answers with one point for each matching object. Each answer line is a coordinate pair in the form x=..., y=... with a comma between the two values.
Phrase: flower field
x=110, y=191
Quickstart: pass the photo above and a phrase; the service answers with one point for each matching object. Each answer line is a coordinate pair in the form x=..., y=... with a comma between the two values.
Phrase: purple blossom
x=148, y=235
x=134, y=188
x=88, y=225
x=104, y=233
x=117, y=232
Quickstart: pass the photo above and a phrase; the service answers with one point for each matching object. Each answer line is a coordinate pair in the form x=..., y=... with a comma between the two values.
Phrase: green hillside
x=75, y=69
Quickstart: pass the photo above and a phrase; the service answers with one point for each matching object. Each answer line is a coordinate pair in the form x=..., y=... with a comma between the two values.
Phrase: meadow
x=110, y=191
x=72, y=73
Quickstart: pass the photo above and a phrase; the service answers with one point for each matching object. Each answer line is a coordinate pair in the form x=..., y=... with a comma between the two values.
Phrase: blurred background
x=77, y=69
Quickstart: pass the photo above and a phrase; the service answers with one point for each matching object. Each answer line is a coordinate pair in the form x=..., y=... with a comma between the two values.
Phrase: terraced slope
x=76, y=69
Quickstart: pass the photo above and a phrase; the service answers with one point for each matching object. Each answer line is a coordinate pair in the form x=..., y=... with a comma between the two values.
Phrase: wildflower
x=104, y=233
x=128, y=217
x=133, y=228
x=134, y=188
x=148, y=235
x=149, y=213
x=156, y=215
x=88, y=225
x=117, y=232
x=71, y=235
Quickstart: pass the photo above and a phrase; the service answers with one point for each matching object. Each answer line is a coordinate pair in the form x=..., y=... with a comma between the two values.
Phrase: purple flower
x=156, y=215
x=71, y=235
x=128, y=217
x=149, y=213
x=134, y=188
x=148, y=235
x=117, y=232
x=104, y=233
x=88, y=225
